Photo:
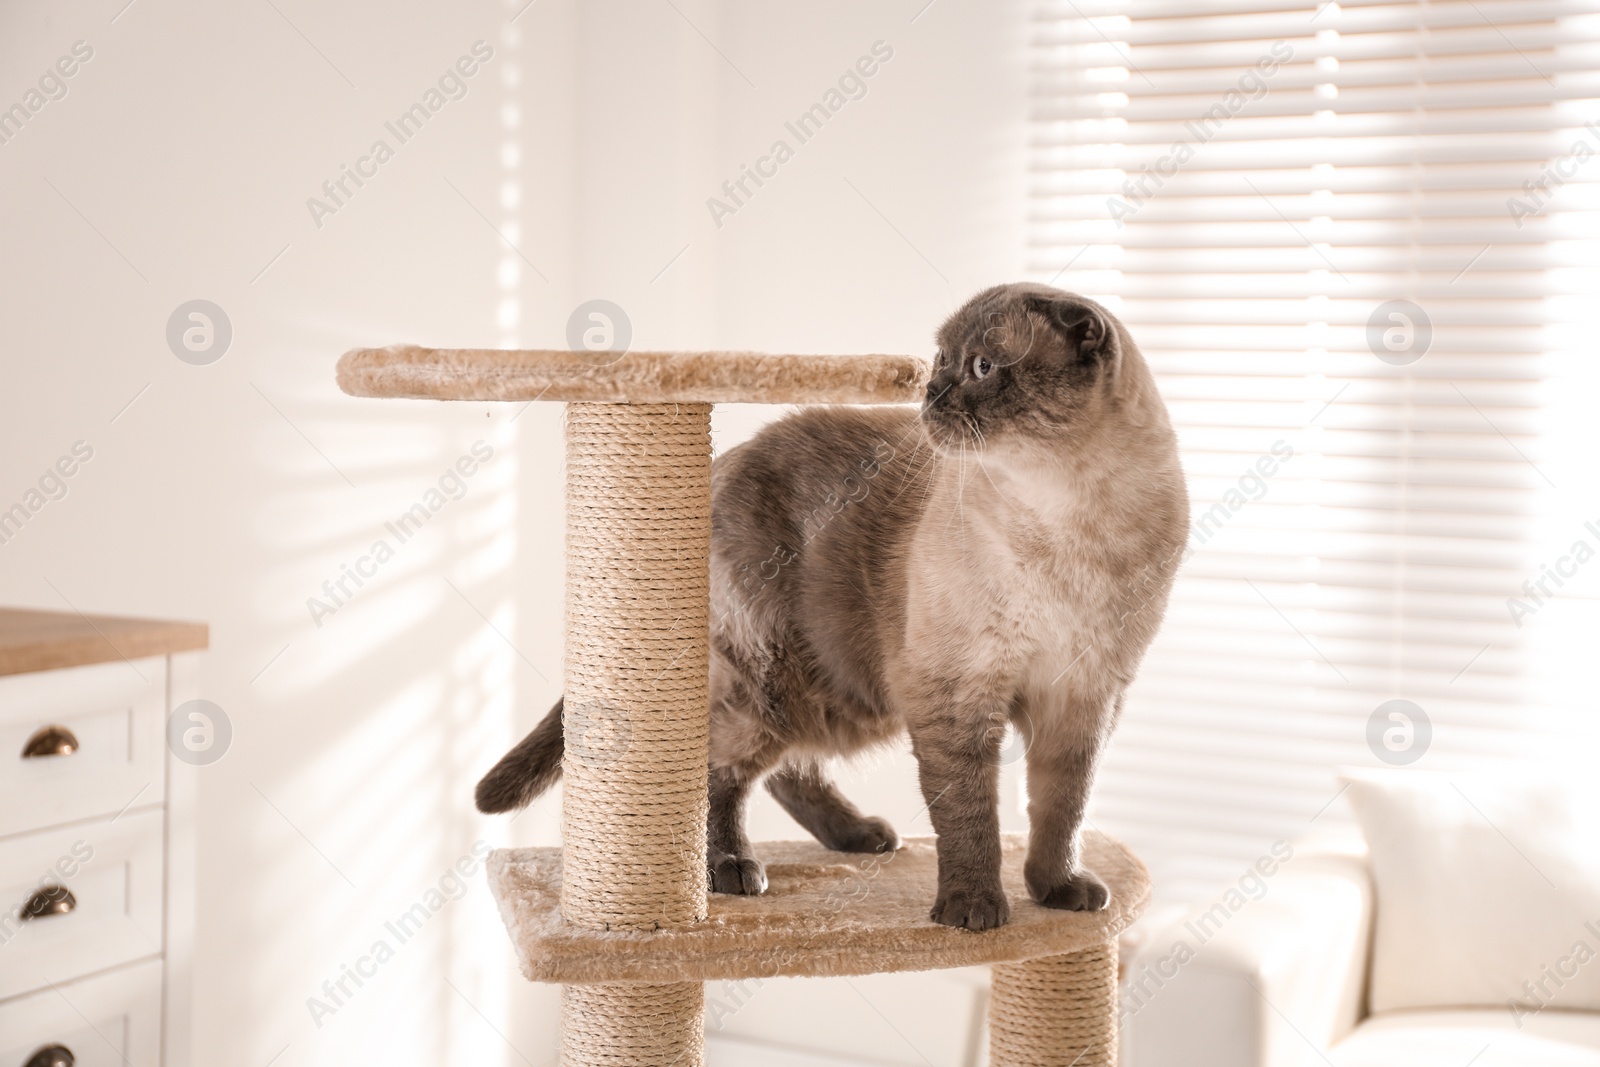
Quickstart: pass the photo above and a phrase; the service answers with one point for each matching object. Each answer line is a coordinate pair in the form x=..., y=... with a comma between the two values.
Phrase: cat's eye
x=981, y=366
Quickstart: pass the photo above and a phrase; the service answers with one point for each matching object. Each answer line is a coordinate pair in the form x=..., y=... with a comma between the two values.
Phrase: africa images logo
x=339, y=190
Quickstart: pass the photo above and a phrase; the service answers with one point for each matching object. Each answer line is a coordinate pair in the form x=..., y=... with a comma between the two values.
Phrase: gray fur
x=1003, y=556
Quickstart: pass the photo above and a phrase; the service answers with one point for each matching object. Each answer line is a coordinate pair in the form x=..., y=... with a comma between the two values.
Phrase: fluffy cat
x=1002, y=556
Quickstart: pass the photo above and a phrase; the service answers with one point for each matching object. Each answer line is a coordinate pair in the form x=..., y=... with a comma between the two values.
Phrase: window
x=1357, y=243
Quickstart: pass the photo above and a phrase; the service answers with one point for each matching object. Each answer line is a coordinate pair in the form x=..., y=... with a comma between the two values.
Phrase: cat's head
x=1024, y=363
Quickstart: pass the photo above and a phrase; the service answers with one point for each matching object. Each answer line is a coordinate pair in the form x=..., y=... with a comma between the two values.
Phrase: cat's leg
x=956, y=745
x=731, y=864
x=815, y=803
x=1064, y=744
x=742, y=747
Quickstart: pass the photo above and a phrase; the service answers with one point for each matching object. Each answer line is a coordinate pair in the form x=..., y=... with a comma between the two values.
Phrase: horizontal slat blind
x=1247, y=182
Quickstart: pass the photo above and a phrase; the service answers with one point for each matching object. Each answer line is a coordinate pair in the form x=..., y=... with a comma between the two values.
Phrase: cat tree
x=620, y=914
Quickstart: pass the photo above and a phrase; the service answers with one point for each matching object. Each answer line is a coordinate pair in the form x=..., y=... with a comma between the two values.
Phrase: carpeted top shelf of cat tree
x=824, y=913
x=630, y=378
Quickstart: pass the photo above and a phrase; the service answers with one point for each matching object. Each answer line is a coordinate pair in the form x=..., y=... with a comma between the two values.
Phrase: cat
x=1003, y=555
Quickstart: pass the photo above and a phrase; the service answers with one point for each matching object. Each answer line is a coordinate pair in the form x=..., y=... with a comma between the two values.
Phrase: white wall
x=178, y=166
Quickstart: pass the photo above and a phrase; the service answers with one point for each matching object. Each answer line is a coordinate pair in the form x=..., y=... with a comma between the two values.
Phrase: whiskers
x=959, y=435
x=973, y=436
x=971, y=423
x=960, y=509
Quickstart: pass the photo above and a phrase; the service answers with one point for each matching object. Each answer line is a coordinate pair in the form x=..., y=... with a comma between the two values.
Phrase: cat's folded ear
x=1084, y=328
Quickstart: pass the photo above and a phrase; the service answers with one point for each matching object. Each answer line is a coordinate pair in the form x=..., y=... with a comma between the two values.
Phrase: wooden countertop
x=45, y=640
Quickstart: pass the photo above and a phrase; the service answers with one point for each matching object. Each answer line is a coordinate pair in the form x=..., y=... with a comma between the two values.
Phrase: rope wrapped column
x=637, y=713
x=1056, y=1011
x=636, y=726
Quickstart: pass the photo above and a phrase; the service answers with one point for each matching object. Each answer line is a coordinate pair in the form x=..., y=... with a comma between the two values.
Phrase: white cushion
x=1488, y=890
x=1486, y=1038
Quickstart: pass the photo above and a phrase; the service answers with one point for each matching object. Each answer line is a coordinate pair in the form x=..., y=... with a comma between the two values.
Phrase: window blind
x=1357, y=242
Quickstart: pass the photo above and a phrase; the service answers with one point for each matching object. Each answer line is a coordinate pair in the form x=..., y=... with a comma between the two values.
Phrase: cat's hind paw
x=743, y=876
x=871, y=834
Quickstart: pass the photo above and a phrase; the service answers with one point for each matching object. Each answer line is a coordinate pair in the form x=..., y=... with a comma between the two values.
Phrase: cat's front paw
x=743, y=876
x=1080, y=891
x=971, y=907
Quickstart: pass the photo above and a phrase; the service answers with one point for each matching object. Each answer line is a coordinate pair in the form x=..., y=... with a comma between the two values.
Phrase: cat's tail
x=527, y=770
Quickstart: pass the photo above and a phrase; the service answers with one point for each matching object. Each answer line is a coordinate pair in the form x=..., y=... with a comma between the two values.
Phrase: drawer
x=112, y=869
x=119, y=722
x=109, y=1020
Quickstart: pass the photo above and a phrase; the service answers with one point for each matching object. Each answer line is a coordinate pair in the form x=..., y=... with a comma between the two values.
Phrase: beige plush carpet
x=824, y=913
x=633, y=377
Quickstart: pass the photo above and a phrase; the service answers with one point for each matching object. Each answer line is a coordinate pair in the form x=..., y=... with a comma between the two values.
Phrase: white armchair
x=1282, y=982
x=1273, y=984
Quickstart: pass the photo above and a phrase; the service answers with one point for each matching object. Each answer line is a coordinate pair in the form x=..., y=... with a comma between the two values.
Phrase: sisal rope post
x=637, y=709
x=1057, y=1011
x=633, y=814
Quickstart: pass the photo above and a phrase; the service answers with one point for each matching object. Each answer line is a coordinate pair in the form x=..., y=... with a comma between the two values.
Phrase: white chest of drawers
x=96, y=841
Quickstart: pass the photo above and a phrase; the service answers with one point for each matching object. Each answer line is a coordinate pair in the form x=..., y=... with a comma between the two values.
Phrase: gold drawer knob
x=52, y=1056
x=50, y=741
x=51, y=900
